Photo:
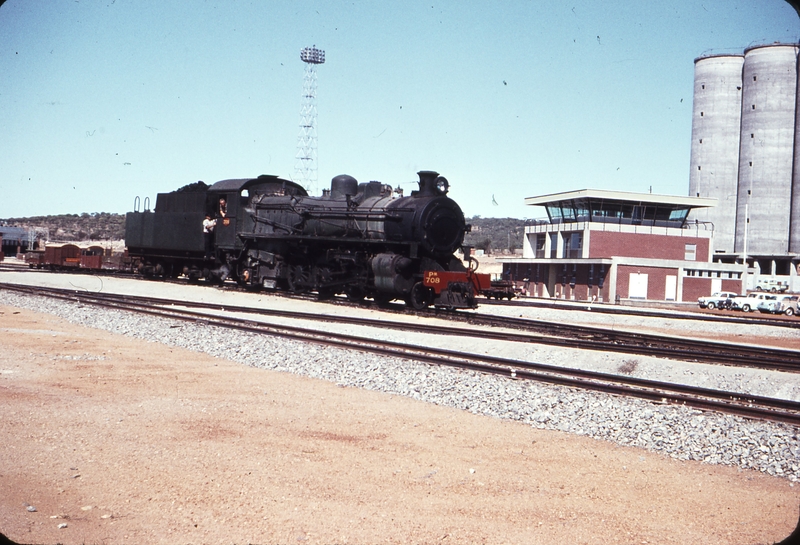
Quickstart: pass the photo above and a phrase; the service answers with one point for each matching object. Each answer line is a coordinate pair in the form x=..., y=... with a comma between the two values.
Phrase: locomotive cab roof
x=264, y=184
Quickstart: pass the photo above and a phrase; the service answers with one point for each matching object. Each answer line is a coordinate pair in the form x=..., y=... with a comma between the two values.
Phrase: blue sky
x=104, y=101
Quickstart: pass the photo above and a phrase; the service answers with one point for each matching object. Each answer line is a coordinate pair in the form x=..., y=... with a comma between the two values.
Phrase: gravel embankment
x=679, y=432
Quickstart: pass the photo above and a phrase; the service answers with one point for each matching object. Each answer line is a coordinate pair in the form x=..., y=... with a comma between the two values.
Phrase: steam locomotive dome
x=435, y=220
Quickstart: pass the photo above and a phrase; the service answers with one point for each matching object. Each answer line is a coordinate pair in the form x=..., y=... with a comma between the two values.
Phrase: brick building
x=612, y=245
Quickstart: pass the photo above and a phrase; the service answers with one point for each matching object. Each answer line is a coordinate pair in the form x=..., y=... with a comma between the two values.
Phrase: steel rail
x=597, y=308
x=702, y=398
x=566, y=336
x=652, y=344
x=736, y=317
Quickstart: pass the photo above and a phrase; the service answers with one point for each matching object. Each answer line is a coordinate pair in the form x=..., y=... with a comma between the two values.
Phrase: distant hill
x=74, y=227
x=493, y=235
x=488, y=234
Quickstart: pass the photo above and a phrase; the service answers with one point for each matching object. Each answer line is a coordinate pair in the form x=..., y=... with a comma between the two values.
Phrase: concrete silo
x=794, y=221
x=769, y=90
x=716, y=124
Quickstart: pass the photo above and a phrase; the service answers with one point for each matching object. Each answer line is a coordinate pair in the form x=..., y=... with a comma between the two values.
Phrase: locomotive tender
x=364, y=240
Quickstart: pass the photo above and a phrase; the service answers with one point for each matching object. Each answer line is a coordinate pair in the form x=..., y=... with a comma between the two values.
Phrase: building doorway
x=637, y=286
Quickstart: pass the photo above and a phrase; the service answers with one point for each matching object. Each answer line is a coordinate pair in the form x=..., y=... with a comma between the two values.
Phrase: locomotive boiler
x=365, y=240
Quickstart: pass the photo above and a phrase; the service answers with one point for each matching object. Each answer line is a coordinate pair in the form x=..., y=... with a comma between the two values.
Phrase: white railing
x=695, y=230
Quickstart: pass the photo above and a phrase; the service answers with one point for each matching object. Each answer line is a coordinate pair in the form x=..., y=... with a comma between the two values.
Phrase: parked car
x=773, y=285
x=716, y=300
x=779, y=304
x=749, y=302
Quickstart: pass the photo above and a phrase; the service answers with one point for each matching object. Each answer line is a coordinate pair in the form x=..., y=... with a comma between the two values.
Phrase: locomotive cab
x=229, y=201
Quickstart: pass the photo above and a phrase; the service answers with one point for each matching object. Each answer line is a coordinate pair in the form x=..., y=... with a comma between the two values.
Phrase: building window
x=541, y=238
x=572, y=245
x=754, y=106
x=690, y=252
x=701, y=140
x=702, y=86
x=576, y=244
x=701, y=114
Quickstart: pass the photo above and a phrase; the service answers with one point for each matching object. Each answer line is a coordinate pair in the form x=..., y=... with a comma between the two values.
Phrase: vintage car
x=749, y=302
x=772, y=285
x=779, y=304
x=716, y=300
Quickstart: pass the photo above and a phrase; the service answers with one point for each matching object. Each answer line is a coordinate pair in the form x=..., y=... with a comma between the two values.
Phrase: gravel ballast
x=678, y=432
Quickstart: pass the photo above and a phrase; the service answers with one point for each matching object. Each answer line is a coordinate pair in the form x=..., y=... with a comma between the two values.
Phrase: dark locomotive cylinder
x=359, y=239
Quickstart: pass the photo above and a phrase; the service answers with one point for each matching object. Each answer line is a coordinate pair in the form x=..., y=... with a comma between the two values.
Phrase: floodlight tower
x=306, y=165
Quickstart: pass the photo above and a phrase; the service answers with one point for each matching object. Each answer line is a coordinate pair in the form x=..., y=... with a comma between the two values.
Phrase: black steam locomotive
x=364, y=240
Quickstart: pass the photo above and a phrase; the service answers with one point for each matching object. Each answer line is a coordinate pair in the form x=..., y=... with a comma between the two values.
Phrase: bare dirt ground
x=123, y=441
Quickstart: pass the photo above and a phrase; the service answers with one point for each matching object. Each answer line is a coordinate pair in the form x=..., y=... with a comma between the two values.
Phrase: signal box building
x=609, y=246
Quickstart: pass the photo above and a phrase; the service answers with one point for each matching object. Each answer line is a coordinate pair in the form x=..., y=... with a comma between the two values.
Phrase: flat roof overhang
x=621, y=196
x=558, y=261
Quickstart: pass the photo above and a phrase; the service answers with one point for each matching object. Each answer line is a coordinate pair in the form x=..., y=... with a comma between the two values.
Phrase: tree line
x=495, y=235
x=487, y=234
x=75, y=227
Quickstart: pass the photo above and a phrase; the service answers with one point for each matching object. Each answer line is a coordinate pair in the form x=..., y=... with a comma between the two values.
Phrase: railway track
x=564, y=335
x=729, y=317
x=533, y=331
x=757, y=407
x=734, y=317
x=648, y=344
